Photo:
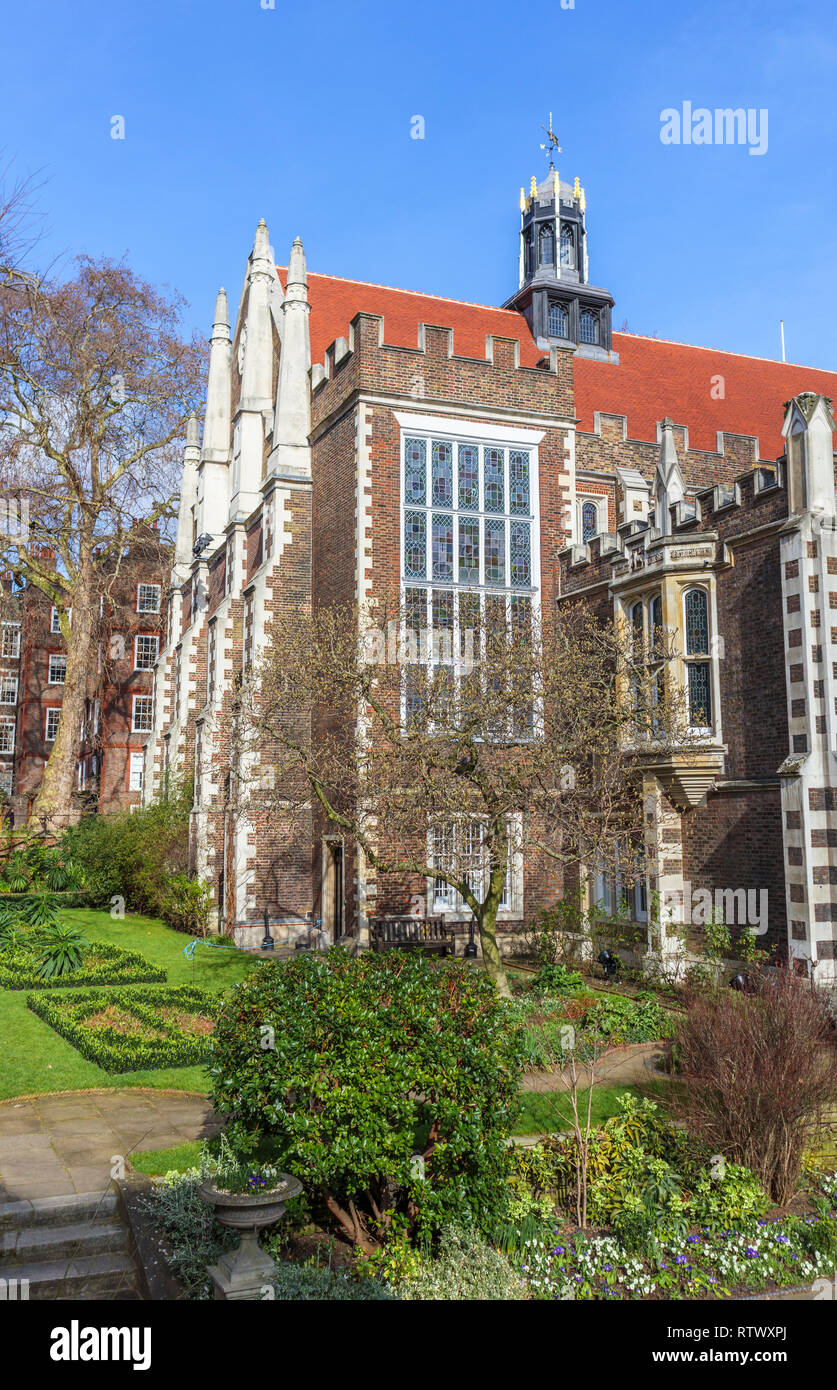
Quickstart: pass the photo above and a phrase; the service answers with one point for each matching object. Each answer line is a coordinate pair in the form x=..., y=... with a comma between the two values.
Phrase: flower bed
x=103, y=965
x=131, y=1029
x=759, y=1254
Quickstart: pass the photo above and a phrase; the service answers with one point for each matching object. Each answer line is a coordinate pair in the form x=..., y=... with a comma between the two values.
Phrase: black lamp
x=268, y=944
x=610, y=964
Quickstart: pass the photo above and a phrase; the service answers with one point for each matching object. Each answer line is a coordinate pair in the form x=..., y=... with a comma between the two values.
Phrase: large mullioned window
x=469, y=540
x=698, y=663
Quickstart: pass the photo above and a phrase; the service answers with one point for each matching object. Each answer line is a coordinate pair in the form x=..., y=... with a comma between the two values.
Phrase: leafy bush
x=59, y=951
x=556, y=979
x=132, y=855
x=186, y=904
x=102, y=965
x=308, y=1283
x=126, y=1029
x=465, y=1267
x=35, y=867
x=758, y=1070
x=359, y=1065
x=193, y=1238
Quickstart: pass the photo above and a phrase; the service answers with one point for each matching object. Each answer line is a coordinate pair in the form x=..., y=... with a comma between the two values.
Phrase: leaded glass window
x=442, y=625
x=520, y=552
x=469, y=477
x=588, y=326
x=655, y=613
x=700, y=694
x=637, y=628
x=495, y=552
x=469, y=551
x=415, y=472
x=494, y=489
x=558, y=323
x=519, y=482
x=442, y=546
x=589, y=521
x=415, y=545
x=696, y=606
x=547, y=246
x=442, y=475
x=567, y=245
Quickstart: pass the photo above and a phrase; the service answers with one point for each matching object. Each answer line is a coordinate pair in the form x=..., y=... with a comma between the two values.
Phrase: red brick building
x=358, y=437
x=119, y=704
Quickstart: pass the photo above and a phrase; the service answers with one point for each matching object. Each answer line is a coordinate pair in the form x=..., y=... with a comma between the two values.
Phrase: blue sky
x=302, y=114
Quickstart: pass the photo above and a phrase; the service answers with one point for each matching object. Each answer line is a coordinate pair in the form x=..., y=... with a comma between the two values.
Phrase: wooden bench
x=411, y=934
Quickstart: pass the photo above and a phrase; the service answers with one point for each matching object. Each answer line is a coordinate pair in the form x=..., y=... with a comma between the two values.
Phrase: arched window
x=567, y=245
x=558, y=324
x=698, y=672
x=547, y=240
x=589, y=521
x=588, y=326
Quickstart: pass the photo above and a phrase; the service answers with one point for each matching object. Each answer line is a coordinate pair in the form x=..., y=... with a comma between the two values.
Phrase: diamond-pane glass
x=469, y=551
x=697, y=622
x=442, y=546
x=442, y=475
x=415, y=545
x=415, y=472
x=589, y=521
x=520, y=552
x=588, y=327
x=495, y=552
x=494, y=489
x=700, y=696
x=519, y=482
x=469, y=478
x=567, y=246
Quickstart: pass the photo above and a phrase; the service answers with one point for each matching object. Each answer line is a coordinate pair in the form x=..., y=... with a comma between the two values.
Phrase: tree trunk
x=53, y=808
x=492, y=960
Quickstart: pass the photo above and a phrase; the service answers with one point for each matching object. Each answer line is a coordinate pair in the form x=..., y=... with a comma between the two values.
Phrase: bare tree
x=449, y=755
x=96, y=386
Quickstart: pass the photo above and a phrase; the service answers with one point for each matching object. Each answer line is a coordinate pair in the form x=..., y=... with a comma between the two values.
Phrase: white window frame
x=142, y=728
x=52, y=679
x=136, y=769
x=699, y=659
x=55, y=621
x=8, y=682
x=151, y=637
x=10, y=630
x=8, y=727
x=443, y=898
x=51, y=710
x=7, y=778
x=483, y=436
x=157, y=589
x=596, y=501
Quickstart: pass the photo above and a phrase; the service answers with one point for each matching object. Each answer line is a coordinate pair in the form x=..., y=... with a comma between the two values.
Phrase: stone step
x=89, y=1276
x=77, y=1207
x=48, y=1243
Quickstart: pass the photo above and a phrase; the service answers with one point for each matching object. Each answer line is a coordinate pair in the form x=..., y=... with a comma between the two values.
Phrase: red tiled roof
x=656, y=378
x=653, y=379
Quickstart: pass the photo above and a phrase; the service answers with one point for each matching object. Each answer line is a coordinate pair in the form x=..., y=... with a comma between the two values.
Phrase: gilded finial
x=576, y=188
x=534, y=187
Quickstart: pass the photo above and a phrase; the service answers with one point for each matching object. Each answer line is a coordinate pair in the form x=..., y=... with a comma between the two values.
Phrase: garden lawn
x=546, y=1112
x=36, y=1060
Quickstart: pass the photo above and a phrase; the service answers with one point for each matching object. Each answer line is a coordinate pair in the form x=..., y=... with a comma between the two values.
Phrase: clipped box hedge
x=112, y=1050
x=119, y=967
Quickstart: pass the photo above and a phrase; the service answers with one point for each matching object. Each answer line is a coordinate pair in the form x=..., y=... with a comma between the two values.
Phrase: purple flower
x=751, y=1253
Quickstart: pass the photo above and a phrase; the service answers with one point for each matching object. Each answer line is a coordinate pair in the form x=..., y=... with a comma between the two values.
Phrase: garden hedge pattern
x=112, y=1050
x=119, y=967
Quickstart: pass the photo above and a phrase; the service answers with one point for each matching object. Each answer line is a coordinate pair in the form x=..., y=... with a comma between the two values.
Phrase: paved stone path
x=55, y=1145
x=622, y=1067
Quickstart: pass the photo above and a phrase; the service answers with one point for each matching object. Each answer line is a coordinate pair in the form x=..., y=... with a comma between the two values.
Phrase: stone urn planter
x=245, y=1271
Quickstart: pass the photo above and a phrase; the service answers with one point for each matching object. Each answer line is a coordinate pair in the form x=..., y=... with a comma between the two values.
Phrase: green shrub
x=58, y=951
x=371, y=1061
x=557, y=979
x=152, y=1042
x=103, y=964
x=132, y=855
x=308, y=1283
x=193, y=1238
x=186, y=904
x=465, y=1267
